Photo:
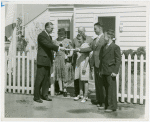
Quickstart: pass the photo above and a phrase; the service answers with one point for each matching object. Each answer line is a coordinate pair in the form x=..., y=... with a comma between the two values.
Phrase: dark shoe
x=101, y=108
x=39, y=101
x=109, y=110
x=47, y=99
x=59, y=93
x=95, y=102
x=65, y=94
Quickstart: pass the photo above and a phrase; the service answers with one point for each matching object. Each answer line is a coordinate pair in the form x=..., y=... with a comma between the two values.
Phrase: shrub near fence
x=130, y=85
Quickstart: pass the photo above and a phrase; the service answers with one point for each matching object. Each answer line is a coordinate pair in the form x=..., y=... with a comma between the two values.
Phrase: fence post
x=23, y=72
x=27, y=87
x=32, y=76
x=18, y=84
x=123, y=78
x=141, y=80
x=129, y=79
x=135, y=79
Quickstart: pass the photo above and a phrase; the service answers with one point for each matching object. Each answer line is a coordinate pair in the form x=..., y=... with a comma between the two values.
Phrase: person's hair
x=48, y=24
x=111, y=33
x=62, y=32
x=98, y=24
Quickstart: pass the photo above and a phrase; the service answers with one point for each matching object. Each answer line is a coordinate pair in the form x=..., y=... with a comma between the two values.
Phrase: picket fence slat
x=23, y=72
x=141, y=80
x=123, y=78
x=18, y=73
x=28, y=73
x=135, y=79
x=129, y=78
x=32, y=76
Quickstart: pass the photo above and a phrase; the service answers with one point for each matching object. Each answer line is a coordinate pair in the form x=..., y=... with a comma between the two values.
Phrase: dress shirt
x=108, y=44
x=98, y=37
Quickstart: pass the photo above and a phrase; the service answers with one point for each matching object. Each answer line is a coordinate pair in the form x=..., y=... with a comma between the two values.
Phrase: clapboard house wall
x=131, y=18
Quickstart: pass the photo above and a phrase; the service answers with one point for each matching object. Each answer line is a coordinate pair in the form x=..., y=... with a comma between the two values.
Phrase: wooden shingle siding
x=131, y=18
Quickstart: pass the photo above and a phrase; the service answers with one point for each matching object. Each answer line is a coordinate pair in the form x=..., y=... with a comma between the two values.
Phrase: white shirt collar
x=99, y=36
x=109, y=43
x=47, y=33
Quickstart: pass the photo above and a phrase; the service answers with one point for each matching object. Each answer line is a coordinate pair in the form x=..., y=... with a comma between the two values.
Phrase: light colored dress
x=80, y=64
x=63, y=71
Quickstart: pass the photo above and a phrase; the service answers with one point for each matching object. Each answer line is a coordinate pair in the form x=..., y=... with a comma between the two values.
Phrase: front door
x=109, y=22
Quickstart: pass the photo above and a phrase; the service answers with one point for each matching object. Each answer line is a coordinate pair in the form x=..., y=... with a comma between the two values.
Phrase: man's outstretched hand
x=77, y=50
x=62, y=48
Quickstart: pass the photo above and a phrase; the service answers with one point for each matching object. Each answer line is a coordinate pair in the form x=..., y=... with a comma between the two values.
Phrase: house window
x=65, y=24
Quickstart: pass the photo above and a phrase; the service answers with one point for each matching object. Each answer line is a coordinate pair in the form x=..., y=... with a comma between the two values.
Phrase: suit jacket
x=45, y=54
x=110, y=59
x=96, y=48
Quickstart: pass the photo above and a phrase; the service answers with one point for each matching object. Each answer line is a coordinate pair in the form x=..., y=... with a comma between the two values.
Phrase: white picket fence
x=130, y=87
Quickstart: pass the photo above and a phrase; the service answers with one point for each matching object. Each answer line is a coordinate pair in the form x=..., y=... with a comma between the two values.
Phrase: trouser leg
x=99, y=86
x=46, y=82
x=111, y=92
x=38, y=81
x=76, y=87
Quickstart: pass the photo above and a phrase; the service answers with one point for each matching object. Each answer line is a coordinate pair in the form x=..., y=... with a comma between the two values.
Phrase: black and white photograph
x=75, y=60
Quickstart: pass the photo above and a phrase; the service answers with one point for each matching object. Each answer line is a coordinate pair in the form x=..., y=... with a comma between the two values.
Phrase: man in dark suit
x=110, y=57
x=95, y=46
x=44, y=62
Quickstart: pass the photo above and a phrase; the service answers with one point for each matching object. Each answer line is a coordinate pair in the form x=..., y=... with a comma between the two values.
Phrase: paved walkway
x=23, y=106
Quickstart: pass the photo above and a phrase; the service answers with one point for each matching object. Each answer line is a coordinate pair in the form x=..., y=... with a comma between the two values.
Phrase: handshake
x=65, y=49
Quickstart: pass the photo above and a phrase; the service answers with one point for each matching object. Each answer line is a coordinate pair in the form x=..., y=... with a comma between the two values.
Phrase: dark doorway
x=108, y=22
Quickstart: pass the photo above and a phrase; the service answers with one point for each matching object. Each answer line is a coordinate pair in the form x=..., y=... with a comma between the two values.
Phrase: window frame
x=56, y=24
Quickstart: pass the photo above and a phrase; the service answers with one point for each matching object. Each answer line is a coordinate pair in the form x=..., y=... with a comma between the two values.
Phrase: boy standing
x=110, y=57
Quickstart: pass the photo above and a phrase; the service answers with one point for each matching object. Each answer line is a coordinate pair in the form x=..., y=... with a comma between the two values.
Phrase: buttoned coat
x=96, y=48
x=110, y=59
x=45, y=49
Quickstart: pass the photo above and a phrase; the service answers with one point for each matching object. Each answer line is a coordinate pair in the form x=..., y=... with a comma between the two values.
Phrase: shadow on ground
x=23, y=106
